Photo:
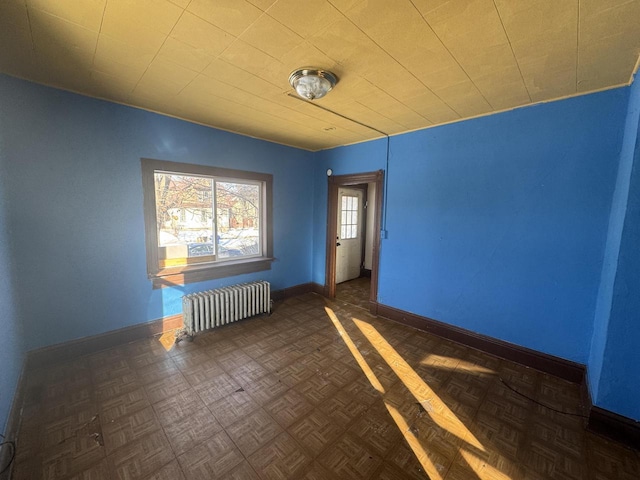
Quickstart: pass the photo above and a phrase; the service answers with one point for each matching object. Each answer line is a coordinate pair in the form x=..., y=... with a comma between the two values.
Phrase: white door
x=349, y=241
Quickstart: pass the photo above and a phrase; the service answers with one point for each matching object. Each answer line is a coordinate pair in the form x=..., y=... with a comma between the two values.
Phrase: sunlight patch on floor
x=445, y=418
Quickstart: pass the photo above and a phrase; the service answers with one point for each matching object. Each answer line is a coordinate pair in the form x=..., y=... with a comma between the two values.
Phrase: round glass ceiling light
x=312, y=83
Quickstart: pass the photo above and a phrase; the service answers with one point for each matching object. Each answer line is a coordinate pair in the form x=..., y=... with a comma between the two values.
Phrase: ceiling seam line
x=452, y=55
x=394, y=98
x=337, y=114
x=237, y=37
x=160, y=48
x=513, y=53
x=399, y=63
x=577, y=46
x=95, y=50
x=33, y=42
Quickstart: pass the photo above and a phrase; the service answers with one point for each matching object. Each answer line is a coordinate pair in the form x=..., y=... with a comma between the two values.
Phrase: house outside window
x=205, y=222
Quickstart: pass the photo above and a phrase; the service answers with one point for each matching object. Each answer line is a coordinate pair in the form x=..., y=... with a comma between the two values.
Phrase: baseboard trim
x=284, y=293
x=601, y=421
x=614, y=426
x=13, y=424
x=559, y=367
x=94, y=343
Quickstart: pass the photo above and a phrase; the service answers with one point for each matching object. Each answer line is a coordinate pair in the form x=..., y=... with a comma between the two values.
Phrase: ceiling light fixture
x=312, y=83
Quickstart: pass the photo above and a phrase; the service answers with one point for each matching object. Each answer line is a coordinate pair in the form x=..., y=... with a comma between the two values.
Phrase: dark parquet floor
x=318, y=390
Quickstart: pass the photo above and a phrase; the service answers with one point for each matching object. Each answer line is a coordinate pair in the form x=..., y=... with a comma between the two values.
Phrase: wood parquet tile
x=285, y=397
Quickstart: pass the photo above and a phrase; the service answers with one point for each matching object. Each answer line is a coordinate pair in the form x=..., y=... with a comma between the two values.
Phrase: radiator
x=213, y=308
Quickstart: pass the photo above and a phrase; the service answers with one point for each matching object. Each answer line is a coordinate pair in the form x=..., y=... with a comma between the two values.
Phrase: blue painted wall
x=11, y=339
x=498, y=224
x=614, y=238
x=616, y=377
x=75, y=207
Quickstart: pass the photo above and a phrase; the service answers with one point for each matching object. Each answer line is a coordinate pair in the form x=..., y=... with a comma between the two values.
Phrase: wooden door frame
x=335, y=182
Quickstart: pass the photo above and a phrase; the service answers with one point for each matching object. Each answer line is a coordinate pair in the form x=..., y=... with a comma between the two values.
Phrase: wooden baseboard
x=565, y=369
x=601, y=421
x=614, y=426
x=289, y=292
x=83, y=346
x=13, y=424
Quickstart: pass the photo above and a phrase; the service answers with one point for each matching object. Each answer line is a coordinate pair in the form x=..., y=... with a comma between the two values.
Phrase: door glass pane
x=349, y=217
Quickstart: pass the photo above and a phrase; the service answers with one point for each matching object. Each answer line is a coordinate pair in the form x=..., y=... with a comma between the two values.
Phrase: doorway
x=352, y=200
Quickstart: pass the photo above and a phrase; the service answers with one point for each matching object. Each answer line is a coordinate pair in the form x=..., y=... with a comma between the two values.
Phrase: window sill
x=174, y=276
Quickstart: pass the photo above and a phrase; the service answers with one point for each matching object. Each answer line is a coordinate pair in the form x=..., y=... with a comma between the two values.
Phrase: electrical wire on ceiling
x=386, y=172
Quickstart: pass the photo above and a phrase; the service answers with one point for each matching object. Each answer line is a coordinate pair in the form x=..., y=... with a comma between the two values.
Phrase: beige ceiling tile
x=15, y=32
x=597, y=7
x=143, y=39
x=432, y=108
x=612, y=52
x=303, y=19
x=502, y=92
x=263, y=4
x=402, y=32
x=597, y=24
x=487, y=61
x=383, y=101
x=122, y=18
x=311, y=109
x=200, y=34
x=63, y=75
x=184, y=55
x=364, y=114
x=250, y=59
x=546, y=83
x=465, y=99
x=307, y=55
x=281, y=38
x=121, y=59
x=536, y=20
x=86, y=13
x=346, y=5
x=267, y=123
x=14, y=15
x=60, y=41
x=233, y=16
x=347, y=45
x=110, y=86
x=232, y=75
x=181, y=3
x=164, y=76
x=459, y=15
x=214, y=88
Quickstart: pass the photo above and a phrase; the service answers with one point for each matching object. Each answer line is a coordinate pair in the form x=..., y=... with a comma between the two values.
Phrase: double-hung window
x=205, y=222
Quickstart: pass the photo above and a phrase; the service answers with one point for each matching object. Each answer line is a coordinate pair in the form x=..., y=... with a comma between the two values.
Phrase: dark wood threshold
x=559, y=367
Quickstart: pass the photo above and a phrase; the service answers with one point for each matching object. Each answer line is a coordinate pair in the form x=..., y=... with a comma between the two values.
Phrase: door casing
x=334, y=182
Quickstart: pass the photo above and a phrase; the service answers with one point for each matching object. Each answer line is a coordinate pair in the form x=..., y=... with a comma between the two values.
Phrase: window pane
x=238, y=219
x=184, y=213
